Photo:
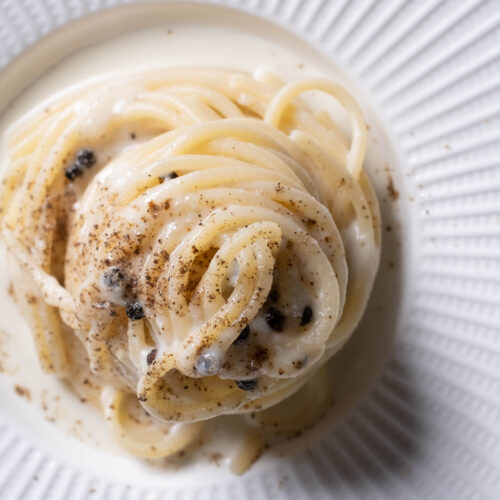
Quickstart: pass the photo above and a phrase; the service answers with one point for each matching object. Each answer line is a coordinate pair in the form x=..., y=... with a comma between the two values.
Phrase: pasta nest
x=216, y=261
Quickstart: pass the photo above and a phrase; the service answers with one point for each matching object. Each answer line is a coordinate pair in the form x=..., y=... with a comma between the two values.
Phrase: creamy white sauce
x=130, y=53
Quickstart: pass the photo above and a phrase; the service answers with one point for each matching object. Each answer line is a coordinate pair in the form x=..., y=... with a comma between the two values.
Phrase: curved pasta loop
x=283, y=98
x=148, y=443
x=209, y=237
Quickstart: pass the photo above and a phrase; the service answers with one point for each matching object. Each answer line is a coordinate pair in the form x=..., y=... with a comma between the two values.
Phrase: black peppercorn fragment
x=135, y=311
x=307, y=315
x=151, y=356
x=275, y=319
x=247, y=385
x=73, y=171
x=171, y=175
x=243, y=335
x=85, y=158
x=113, y=277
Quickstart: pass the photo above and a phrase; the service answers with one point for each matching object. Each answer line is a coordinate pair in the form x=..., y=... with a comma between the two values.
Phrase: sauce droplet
x=208, y=364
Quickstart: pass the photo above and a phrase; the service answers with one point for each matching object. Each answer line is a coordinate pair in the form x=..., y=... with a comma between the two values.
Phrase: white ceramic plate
x=428, y=73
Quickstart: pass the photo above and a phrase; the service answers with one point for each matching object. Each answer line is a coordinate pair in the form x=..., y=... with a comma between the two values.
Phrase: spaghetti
x=203, y=239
